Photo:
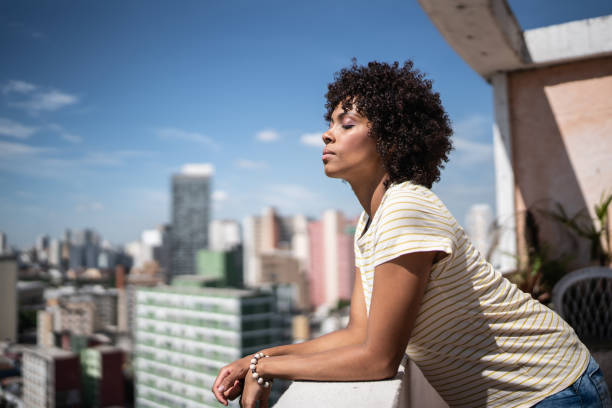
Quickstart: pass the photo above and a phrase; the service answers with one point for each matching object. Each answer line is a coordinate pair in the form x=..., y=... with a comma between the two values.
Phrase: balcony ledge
x=391, y=393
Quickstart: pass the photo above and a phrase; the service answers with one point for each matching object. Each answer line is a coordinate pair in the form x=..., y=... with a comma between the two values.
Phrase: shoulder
x=408, y=197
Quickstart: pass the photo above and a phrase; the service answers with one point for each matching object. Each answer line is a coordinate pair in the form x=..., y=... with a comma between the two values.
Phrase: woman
x=421, y=288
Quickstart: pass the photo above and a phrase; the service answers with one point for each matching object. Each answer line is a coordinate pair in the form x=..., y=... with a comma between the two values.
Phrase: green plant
x=538, y=271
x=585, y=227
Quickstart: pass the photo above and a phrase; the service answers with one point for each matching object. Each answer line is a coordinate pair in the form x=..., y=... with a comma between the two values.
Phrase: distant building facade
x=190, y=217
x=184, y=335
x=332, y=259
x=276, y=250
x=8, y=298
x=51, y=378
x=102, y=377
x=224, y=235
x=479, y=226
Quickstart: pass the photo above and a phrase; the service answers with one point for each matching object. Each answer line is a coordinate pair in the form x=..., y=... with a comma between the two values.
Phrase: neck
x=370, y=192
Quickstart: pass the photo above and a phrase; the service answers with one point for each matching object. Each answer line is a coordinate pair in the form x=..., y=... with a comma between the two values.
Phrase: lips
x=327, y=154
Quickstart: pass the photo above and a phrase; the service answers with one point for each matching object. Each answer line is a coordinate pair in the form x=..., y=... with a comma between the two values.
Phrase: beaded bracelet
x=260, y=380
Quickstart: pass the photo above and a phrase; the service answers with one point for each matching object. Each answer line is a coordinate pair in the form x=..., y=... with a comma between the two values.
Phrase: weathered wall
x=561, y=125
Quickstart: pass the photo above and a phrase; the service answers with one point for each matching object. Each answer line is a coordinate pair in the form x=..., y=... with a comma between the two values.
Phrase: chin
x=330, y=172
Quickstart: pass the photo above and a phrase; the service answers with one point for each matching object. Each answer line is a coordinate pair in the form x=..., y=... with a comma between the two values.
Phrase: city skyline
x=98, y=112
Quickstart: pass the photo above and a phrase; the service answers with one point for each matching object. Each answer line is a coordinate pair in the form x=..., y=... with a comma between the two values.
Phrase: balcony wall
x=409, y=389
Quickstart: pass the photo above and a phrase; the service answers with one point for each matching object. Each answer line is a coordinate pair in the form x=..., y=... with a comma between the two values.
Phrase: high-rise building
x=84, y=249
x=223, y=266
x=478, y=223
x=332, y=260
x=44, y=328
x=51, y=378
x=190, y=216
x=127, y=311
x=3, y=244
x=102, y=377
x=184, y=335
x=55, y=252
x=161, y=253
x=224, y=235
x=268, y=234
x=42, y=248
x=8, y=298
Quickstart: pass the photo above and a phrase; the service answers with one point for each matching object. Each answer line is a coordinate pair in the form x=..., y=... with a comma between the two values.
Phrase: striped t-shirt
x=479, y=340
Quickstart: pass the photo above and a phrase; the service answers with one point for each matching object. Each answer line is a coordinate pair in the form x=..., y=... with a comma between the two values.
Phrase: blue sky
x=100, y=102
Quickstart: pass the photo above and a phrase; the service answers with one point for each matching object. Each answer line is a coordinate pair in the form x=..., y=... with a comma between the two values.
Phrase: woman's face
x=349, y=153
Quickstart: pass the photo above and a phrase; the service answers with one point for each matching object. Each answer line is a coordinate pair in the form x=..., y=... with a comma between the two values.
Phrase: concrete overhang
x=486, y=34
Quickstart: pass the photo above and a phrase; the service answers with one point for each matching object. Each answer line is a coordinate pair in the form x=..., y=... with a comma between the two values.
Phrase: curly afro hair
x=411, y=128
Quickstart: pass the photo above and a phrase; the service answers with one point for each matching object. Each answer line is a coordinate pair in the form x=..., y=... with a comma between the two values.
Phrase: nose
x=327, y=136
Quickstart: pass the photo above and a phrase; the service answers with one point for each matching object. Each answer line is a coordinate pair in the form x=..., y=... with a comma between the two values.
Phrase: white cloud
x=9, y=149
x=114, y=158
x=469, y=153
x=473, y=127
x=17, y=86
x=268, y=135
x=219, y=196
x=13, y=129
x=92, y=206
x=251, y=164
x=468, y=150
x=198, y=169
x=46, y=101
x=288, y=197
x=312, y=139
x=71, y=137
x=183, y=135
x=64, y=134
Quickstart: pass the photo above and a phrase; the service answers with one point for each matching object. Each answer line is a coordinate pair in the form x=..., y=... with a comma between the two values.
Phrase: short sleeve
x=412, y=222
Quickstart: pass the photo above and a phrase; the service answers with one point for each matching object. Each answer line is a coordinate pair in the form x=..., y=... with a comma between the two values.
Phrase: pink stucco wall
x=561, y=126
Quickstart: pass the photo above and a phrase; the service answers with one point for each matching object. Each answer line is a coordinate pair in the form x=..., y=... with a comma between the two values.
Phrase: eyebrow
x=342, y=115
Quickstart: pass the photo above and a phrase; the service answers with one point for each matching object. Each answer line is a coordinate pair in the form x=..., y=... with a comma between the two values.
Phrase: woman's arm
x=354, y=333
x=224, y=386
x=399, y=286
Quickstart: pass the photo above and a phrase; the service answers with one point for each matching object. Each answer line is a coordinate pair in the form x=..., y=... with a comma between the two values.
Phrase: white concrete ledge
x=380, y=394
x=407, y=389
x=570, y=41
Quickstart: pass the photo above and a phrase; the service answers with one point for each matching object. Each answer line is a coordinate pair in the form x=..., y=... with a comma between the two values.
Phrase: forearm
x=333, y=340
x=349, y=363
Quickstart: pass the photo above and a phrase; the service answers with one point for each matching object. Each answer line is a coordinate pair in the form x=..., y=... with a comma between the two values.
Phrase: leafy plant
x=538, y=272
x=584, y=226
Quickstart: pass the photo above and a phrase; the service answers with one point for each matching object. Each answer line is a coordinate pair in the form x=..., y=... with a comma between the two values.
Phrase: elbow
x=380, y=366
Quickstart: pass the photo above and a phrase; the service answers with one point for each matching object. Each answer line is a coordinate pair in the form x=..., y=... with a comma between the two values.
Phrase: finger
x=229, y=381
x=234, y=391
x=218, y=387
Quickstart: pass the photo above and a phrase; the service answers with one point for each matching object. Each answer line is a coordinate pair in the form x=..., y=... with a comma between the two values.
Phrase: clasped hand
x=234, y=379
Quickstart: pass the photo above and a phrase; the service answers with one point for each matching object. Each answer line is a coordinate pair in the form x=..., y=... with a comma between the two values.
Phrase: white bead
x=254, y=361
x=266, y=384
x=259, y=355
x=252, y=366
x=255, y=375
x=260, y=381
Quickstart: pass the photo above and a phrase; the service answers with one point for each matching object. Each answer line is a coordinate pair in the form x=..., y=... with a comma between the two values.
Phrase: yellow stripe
x=407, y=249
x=437, y=212
x=390, y=256
x=510, y=382
x=477, y=367
x=435, y=318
